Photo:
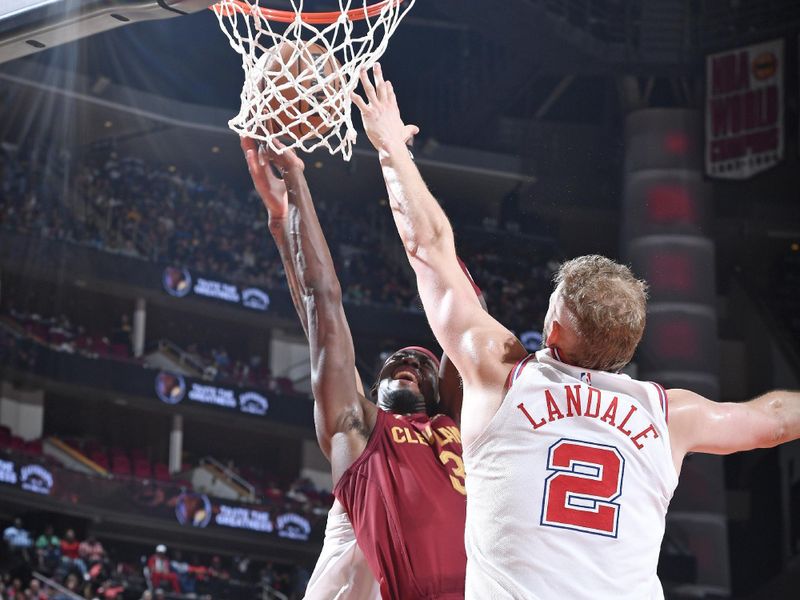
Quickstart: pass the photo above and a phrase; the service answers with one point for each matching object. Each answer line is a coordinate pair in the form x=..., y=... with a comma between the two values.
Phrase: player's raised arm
x=451, y=388
x=481, y=348
x=316, y=293
x=274, y=196
x=700, y=425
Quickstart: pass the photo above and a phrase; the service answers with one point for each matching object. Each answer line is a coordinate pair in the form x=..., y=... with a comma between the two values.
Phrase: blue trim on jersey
x=518, y=369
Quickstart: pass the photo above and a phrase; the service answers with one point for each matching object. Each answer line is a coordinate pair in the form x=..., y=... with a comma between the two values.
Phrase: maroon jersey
x=406, y=499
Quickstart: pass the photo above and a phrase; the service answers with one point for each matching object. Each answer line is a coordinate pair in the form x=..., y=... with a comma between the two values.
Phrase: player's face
x=408, y=383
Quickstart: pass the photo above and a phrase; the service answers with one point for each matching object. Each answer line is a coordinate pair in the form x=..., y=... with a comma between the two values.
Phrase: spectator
x=184, y=572
x=93, y=555
x=14, y=591
x=70, y=553
x=161, y=571
x=218, y=576
x=122, y=334
x=35, y=591
x=72, y=585
x=48, y=550
x=18, y=540
x=110, y=590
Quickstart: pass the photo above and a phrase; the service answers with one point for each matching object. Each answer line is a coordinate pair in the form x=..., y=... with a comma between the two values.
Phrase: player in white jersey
x=570, y=466
x=341, y=572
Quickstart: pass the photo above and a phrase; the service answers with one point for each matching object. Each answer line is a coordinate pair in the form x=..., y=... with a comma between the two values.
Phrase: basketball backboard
x=28, y=26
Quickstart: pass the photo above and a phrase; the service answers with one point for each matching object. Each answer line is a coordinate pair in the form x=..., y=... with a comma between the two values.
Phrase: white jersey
x=341, y=572
x=568, y=487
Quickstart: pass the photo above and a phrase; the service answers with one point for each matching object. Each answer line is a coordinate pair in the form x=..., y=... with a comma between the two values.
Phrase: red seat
x=34, y=447
x=161, y=472
x=142, y=469
x=284, y=385
x=120, y=465
x=99, y=456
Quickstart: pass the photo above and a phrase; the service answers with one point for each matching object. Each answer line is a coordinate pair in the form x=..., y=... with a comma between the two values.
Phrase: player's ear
x=555, y=336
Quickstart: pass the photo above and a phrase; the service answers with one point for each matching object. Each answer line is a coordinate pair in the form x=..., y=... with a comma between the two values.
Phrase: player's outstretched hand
x=269, y=186
x=380, y=113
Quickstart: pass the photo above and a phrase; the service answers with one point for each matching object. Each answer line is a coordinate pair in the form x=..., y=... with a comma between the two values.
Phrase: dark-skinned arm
x=339, y=408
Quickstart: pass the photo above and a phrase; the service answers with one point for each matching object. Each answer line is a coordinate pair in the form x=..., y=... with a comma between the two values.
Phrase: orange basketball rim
x=313, y=18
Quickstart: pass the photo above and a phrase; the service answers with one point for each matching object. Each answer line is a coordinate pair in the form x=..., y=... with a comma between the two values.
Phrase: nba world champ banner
x=744, y=110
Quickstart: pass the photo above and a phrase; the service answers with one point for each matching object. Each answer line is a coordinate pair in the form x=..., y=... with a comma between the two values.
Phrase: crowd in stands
x=61, y=334
x=49, y=567
x=299, y=495
x=157, y=213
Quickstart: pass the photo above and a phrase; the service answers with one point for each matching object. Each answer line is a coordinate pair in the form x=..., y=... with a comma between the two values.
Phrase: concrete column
x=139, y=318
x=22, y=411
x=315, y=466
x=176, y=444
x=289, y=357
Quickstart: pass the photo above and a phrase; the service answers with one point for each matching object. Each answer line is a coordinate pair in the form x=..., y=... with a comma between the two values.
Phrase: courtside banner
x=744, y=110
x=172, y=503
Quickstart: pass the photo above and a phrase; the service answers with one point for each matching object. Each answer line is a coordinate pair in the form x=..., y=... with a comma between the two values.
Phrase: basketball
x=302, y=79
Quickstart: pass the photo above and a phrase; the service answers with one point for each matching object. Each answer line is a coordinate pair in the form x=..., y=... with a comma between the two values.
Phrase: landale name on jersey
x=593, y=405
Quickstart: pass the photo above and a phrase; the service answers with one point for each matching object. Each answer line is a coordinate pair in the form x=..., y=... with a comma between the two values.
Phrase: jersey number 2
x=580, y=493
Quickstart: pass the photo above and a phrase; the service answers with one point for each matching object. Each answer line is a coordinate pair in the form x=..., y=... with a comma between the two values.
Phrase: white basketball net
x=325, y=116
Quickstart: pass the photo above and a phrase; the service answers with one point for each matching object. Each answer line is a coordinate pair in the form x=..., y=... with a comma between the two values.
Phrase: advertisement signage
x=173, y=388
x=179, y=283
x=156, y=500
x=744, y=110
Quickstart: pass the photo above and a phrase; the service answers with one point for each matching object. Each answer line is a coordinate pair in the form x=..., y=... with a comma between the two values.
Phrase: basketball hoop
x=300, y=67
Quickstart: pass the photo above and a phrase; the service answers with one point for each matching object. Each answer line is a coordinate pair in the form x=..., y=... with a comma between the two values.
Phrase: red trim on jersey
x=475, y=287
x=557, y=356
x=516, y=370
x=662, y=398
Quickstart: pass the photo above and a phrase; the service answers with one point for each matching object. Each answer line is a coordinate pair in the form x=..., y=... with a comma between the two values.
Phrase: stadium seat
x=161, y=472
x=142, y=469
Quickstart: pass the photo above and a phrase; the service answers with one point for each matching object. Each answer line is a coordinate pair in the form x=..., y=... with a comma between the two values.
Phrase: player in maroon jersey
x=396, y=464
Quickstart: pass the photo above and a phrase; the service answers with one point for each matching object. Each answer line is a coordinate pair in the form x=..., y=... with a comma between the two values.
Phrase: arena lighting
x=318, y=164
x=670, y=203
x=215, y=149
x=108, y=124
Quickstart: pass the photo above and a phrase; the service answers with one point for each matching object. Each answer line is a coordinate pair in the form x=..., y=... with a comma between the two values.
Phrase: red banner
x=744, y=110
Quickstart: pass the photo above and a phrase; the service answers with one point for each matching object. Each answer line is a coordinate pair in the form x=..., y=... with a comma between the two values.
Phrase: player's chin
x=401, y=399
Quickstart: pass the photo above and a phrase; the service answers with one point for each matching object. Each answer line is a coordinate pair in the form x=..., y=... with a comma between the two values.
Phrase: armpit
x=353, y=420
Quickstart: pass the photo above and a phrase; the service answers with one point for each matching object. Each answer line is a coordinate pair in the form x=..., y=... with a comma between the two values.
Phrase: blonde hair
x=608, y=309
